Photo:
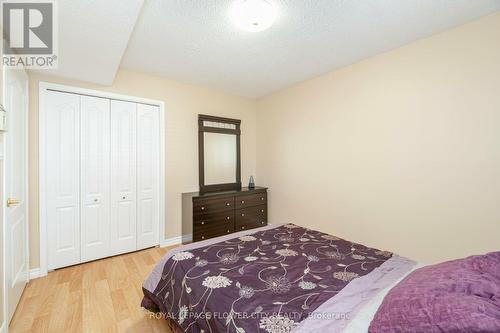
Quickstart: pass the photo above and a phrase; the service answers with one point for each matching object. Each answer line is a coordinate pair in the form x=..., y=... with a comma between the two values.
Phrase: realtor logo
x=29, y=34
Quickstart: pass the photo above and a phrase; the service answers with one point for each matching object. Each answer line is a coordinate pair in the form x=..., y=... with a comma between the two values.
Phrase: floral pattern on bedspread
x=268, y=281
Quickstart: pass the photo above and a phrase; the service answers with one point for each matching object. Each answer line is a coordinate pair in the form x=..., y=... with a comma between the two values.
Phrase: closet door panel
x=95, y=179
x=124, y=178
x=148, y=169
x=63, y=178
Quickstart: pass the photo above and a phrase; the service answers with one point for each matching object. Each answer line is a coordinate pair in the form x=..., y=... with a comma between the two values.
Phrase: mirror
x=220, y=158
x=219, y=153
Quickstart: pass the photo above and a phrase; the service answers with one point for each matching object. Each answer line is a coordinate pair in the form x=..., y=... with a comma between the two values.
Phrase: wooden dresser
x=215, y=214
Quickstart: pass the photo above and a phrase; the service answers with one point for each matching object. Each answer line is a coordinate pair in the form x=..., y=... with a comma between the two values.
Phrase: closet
x=102, y=176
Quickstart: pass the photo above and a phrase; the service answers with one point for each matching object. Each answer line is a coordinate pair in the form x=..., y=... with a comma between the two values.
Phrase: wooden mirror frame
x=201, y=151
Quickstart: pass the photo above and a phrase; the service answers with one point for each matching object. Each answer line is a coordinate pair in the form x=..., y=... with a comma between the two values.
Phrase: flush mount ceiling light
x=253, y=15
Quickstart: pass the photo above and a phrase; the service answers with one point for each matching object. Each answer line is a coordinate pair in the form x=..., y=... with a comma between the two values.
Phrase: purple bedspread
x=455, y=296
x=268, y=281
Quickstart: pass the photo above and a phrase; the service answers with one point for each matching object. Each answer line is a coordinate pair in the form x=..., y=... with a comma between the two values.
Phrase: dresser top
x=243, y=191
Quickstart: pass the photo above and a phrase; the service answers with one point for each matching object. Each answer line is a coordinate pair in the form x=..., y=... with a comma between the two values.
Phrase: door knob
x=12, y=202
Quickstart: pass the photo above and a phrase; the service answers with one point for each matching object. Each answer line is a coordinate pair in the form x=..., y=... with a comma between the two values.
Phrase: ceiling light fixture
x=253, y=15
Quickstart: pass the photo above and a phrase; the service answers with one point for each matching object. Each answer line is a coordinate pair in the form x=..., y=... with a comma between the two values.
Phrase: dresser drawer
x=211, y=229
x=214, y=218
x=208, y=206
x=203, y=218
x=252, y=217
x=250, y=200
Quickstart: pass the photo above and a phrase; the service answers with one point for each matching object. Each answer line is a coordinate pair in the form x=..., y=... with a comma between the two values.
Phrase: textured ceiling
x=93, y=35
x=195, y=42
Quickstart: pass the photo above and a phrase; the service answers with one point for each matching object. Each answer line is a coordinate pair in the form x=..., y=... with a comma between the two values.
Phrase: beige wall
x=400, y=151
x=182, y=105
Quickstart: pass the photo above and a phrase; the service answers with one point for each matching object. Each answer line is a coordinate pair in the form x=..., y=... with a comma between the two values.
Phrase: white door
x=148, y=172
x=16, y=184
x=95, y=181
x=62, y=176
x=123, y=177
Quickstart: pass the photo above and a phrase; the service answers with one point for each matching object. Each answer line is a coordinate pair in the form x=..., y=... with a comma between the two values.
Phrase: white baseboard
x=3, y=328
x=171, y=241
x=176, y=240
x=34, y=273
x=187, y=238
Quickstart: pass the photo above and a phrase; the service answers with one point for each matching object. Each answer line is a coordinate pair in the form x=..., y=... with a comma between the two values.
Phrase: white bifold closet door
x=123, y=178
x=62, y=196
x=102, y=174
x=95, y=177
x=148, y=166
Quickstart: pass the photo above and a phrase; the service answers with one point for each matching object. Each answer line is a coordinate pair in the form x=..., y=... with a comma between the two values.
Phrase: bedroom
x=366, y=122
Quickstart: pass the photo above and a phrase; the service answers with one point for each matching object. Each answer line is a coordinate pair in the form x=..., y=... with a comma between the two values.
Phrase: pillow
x=455, y=296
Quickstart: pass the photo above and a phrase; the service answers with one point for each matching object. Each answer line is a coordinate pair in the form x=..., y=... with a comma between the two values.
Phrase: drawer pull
x=228, y=204
x=262, y=211
x=242, y=201
x=202, y=237
x=228, y=217
x=263, y=222
x=124, y=198
x=228, y=231
x=243, y=228
x=242, y=214
x=202, y=222
x=202, y=208
x=262, y=199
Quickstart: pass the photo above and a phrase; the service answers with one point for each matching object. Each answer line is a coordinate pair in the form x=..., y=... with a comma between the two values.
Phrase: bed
x=286, y=278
